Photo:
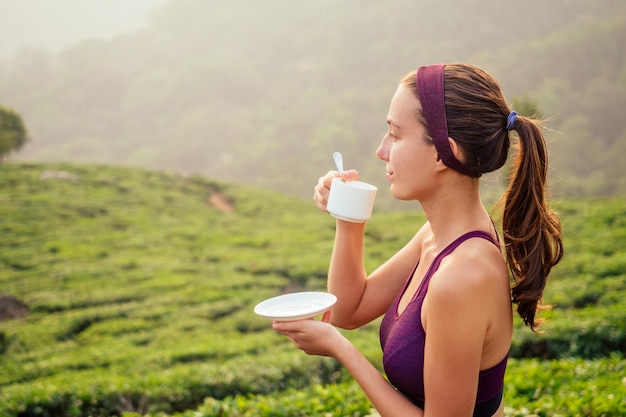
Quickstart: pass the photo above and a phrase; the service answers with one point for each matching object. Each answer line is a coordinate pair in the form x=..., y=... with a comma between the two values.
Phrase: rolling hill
x=139, y=287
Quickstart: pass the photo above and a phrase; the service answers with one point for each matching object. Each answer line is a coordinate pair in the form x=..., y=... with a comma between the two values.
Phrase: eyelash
x=391, y=133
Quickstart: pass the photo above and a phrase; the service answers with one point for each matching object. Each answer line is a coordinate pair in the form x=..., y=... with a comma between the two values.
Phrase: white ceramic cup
x=352, y=201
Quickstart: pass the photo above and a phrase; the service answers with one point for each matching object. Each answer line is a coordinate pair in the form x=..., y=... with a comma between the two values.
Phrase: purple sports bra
x=403, y=339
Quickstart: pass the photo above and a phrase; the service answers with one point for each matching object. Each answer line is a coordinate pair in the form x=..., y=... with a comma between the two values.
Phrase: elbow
x=344, y=324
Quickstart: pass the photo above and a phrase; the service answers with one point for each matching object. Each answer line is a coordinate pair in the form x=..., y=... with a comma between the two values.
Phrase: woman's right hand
x=322, y=189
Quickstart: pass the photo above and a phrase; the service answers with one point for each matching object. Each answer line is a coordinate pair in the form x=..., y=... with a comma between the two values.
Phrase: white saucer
x=295, y=306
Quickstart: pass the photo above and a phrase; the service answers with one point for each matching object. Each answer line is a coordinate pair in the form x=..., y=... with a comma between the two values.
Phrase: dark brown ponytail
x=532, y=231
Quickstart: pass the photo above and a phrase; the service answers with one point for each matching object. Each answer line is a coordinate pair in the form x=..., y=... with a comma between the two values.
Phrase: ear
x=456, y=151
x=439, y=165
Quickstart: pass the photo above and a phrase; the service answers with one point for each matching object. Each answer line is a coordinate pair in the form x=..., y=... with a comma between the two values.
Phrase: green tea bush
x=344, y=399
x=590, y=333
x=569, y=387
x=140, y=297
x=179, y=387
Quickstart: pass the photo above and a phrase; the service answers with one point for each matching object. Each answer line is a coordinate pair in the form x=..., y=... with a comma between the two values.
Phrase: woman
x=445, y=295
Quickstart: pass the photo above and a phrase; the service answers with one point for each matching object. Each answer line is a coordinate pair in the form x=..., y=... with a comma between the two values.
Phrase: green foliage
x=140, y=294
x=526, y=106
x=12, y=132
x=569, y=387
x=345, y=399
x=593, y=332
x=586, y=289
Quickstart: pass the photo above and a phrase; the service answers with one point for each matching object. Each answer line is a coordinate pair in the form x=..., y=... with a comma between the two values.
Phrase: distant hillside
x=133, y=292
x=264, y=95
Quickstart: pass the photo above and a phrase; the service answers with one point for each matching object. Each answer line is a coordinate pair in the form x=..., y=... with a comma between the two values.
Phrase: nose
x=383, y=149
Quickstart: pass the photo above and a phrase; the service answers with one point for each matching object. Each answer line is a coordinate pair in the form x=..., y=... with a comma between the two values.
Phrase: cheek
x=404, y=156
x=413, y=163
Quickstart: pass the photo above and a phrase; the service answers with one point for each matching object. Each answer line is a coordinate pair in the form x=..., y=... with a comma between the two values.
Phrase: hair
x=476, y=112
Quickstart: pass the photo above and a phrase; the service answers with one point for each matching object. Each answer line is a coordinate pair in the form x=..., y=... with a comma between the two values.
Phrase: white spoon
x=338, y=161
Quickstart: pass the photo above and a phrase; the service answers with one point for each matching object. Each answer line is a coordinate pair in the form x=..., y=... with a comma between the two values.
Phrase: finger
x=276, y=325
x=320, y=199
x=322, y=190
x=350, y=175
x=326, y=180
x=288, y=326
x=326, y=316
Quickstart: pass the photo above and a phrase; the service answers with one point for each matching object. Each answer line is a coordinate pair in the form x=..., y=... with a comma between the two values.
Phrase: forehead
x=404, y=108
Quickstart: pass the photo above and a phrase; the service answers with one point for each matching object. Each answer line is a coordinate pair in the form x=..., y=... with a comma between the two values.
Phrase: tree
x=13, y=134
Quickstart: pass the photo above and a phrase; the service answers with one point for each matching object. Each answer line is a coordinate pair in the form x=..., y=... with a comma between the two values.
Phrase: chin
x=402, y=195
x=399, y=195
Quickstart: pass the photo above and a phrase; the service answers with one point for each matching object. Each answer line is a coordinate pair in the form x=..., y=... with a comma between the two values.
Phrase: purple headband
x=431, y=94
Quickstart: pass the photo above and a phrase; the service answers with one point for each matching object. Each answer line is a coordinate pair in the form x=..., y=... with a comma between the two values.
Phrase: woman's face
x=410, y=155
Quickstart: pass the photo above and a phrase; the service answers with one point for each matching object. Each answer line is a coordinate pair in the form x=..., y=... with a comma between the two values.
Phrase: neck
x=455, y=210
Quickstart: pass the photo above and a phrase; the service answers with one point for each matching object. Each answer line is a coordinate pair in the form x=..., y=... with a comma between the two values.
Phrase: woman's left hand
x=313, y=337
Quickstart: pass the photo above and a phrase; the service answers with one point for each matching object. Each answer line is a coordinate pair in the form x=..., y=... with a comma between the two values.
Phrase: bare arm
x=361, y=298
x=457, y=312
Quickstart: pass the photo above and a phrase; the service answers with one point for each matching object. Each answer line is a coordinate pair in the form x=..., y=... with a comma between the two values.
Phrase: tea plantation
x=126, y=292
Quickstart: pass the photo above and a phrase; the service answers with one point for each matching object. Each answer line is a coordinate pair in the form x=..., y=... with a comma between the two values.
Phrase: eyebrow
x=393, y=124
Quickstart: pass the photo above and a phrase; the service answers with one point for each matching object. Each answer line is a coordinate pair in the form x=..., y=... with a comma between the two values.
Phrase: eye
x=392, y=131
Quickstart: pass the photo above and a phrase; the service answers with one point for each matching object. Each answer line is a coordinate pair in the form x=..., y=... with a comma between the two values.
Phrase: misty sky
x=57, y=24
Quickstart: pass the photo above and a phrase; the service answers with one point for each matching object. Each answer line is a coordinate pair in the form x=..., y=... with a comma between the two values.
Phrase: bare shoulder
x=468, y=303
x=476, y=268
